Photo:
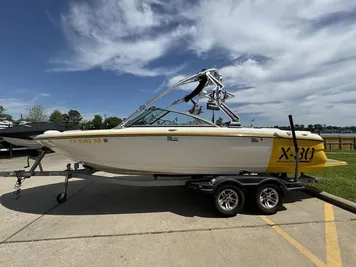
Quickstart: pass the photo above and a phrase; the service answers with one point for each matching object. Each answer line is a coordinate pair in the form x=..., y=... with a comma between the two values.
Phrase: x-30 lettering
x=305, y=154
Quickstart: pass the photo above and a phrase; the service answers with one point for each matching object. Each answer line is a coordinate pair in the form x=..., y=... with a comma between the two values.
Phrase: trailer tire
x=269, y=198
x=229, y=200
x=61, y=198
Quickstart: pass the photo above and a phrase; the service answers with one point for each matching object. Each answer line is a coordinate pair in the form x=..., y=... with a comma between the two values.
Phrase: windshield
x=161, y=117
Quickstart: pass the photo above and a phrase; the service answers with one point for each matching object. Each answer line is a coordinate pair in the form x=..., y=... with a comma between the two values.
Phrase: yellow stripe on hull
x=312, y=157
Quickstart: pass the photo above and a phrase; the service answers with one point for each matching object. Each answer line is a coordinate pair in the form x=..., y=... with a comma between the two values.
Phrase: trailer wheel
x=61, y=198
x=229, y=200
x=268, y=198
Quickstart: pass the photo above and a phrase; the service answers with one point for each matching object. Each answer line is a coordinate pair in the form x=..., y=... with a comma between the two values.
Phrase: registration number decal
x=88, y=141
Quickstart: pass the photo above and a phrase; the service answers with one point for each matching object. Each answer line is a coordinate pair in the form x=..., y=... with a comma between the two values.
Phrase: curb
x=337, y=201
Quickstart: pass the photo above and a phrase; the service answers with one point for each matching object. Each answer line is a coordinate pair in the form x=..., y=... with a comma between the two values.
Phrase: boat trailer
x=228, y=191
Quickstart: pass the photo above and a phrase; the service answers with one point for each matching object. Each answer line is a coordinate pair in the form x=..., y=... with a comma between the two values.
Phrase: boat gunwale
x=43, y=137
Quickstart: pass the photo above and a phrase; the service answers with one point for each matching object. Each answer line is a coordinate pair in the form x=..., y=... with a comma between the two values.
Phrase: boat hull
x=155, y=154
x=217, y=151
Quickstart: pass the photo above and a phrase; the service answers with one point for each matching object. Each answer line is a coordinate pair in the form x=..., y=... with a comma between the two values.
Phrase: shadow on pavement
x=103, y=198
x=15, y=154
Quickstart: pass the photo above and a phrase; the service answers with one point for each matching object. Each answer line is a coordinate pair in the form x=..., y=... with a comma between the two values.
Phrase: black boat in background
x=21, y=135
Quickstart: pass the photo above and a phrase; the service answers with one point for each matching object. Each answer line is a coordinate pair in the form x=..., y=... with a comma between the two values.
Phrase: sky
x=109, y=57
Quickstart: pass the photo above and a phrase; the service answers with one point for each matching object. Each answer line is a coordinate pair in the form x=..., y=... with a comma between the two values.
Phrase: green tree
x=74, y=117
x=86, y=125
x=112, y=122
x=7, y=117
x=3, y=115
x=97, y=122
x=65, y=118
x=56, y=117
x=318, y=128
x=36, y=113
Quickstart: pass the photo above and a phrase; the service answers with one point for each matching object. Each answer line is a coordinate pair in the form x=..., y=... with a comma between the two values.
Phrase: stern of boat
x=312, y=156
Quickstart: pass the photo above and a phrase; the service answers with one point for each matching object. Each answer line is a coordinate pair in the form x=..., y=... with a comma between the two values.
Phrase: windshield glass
x=160, y=117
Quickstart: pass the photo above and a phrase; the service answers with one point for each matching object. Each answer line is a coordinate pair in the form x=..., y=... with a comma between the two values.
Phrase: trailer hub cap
x=228, y=199
x=269, y=198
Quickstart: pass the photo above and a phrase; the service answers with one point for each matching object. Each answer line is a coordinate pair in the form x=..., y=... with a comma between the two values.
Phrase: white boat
x=22, y=134
x=5, y=124
x=164, y=141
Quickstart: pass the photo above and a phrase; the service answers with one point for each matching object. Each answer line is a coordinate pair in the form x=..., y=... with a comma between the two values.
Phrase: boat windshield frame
x=150, y=110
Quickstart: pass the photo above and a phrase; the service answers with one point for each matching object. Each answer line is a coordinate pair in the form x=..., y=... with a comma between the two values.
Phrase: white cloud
x=187, y=87
x=307, y=46
x=44, y=94
x=123, y=36
x=15, y=107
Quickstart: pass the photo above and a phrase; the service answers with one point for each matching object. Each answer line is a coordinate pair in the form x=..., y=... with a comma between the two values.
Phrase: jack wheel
x=61, y=198
x=268, y=198
x=229, y=200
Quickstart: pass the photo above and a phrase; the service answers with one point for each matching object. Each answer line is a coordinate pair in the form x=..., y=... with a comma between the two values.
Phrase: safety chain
x=20, y=178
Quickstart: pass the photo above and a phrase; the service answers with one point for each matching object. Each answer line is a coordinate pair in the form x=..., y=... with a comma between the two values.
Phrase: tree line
x=319, y=128
x=72, y=119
